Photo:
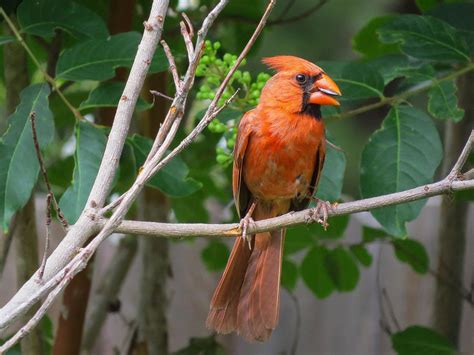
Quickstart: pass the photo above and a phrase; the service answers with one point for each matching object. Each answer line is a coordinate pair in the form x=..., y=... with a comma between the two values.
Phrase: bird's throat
x=313, y=111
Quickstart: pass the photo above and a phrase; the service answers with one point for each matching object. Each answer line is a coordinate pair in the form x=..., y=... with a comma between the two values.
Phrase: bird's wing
x=242, y=195
x=300, y=204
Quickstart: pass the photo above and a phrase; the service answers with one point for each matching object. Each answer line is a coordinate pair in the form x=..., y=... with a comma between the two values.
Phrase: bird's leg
x=244, y=223
x=321, y=212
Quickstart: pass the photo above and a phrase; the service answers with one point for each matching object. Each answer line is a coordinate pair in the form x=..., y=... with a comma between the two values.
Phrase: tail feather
x=246, y=299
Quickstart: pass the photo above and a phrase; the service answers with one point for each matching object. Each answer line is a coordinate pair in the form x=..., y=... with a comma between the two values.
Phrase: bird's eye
x=301, y=78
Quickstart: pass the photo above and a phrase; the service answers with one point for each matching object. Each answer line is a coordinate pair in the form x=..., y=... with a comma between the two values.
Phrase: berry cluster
x=213, y=69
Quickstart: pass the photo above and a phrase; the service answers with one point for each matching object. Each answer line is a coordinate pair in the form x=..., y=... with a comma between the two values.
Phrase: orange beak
x=323, y=92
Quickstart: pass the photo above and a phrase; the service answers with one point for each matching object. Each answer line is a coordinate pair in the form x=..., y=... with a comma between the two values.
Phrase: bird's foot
x=244, y=224
x=320, y=213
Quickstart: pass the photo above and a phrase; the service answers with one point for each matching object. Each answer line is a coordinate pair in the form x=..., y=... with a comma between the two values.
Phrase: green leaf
x=418, y=340
x=297, y=239
x=426, y=5
x=443, y=103
x=394, y=66
x=202, y=346
x=215, y=255
x=43, y=17
x=97, y=59
x=332, y=178
x=6, y=39
x=367, y=42
x=342, y=269
x=289, y=274
x=370, y=234
x=18, y=161
x=315, y=273
x=402, y=154
x=413, y=253
x=172, y=179
x=359, y=81
x=458, y=15
x=108, y=94
x=90, y=146
x=361, y=254
x=60, y=173
x=426, y=38
x=127, y=168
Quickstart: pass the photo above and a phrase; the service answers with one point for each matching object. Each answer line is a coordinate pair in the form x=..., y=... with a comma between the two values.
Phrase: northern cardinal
x=278, y=159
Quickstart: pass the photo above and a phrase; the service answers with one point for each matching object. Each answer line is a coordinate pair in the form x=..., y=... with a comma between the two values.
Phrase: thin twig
x=390, y=309
x=299, y=17
x=456, y=170
x=47, y=77
x=332, y=145
x=46, y=245
x=59, y=213
x=189, y=24
x=173, y=68
x=157, y=93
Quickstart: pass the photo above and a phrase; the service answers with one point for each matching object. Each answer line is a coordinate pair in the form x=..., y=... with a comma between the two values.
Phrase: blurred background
x=143, y=295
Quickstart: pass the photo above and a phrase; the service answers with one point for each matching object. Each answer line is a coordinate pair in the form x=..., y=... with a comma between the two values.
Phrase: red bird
x=278, y=159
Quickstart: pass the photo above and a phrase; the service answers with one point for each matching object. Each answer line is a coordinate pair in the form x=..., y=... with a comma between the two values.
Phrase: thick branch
x=292, y=219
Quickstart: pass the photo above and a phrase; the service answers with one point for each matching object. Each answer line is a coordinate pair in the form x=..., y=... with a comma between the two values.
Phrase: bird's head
x=299, y=86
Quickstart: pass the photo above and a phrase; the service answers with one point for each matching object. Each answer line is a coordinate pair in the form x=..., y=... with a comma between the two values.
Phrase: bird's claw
x=320, y=213
x=244, y=224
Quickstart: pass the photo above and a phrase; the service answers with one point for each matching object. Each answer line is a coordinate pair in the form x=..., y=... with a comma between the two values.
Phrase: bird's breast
x=280, y=158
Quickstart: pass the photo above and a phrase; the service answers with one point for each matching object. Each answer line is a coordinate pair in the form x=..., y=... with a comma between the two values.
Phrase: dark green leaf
x=172, y=179
x=418, y=340
x=97, y=59
x=359, y=81
x=215, y=255
x=394, y=66
x=342, y=269
x=370, y=234
x=402, y=154
x=127, y=169
x=297, y=239
x=43, y=17
x=458, y=15
x=413, y=253
x=191, y=209
x=60, y=173
x=202, y=346
x=289, y=274
x=426, y=5
x=332, y=178
x=361, y=254
x=443, y=102
x=90, y=146
x=18, y=161
x=108, y=95
x=315, y=273
x=6, y=39
x=228, y=114
x=426, y=38
x=367, y=42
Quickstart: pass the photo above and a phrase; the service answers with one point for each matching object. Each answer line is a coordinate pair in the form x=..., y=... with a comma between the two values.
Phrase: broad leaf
x=426, y=38
x=289, y=274
x=443, y=102
x=90, y=146
x=361, y=253
x=404, y=153
x=108, y=95
x=342, y=269
x=458, y=15
x=297, y=239
x=418, y=340
x=359, y=81
x=370, y=234
x=367, y=42
x=315, y=273
x=332, y=178
x=426, y=5
x=215, y=255
x=172, y=179
x=413, y=253
x=18, y=161
x=43, y=17
x=394, y=66
x=97, y=59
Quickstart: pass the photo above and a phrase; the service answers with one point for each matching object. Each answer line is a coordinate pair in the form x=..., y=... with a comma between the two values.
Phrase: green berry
x=217, y=45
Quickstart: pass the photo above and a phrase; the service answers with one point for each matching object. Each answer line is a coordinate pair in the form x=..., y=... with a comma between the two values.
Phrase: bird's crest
x=283, y=63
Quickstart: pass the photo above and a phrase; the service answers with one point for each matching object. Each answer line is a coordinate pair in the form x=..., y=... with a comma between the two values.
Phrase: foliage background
x=354, y=255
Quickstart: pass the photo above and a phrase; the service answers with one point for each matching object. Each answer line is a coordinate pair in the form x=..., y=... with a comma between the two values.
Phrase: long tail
x=247, y=297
